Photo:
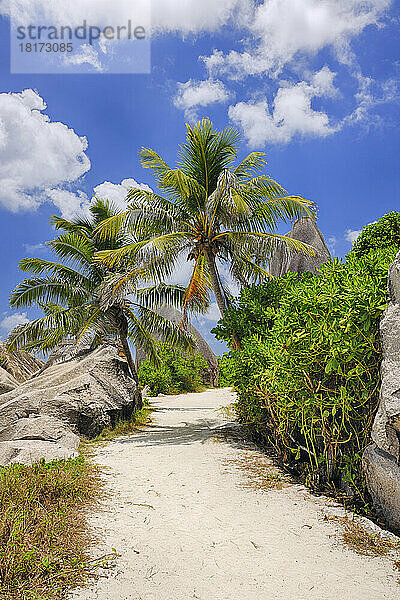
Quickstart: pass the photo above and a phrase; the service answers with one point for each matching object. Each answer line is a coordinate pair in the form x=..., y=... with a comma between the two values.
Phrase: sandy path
x=186, y=527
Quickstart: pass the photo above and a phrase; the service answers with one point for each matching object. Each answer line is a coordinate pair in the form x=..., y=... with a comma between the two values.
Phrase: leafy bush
x=226, y=371
x=178, y=373
x=308, y=375
x=382, y=234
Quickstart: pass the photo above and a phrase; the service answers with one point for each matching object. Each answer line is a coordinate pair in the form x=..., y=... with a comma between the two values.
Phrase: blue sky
x=313, y=84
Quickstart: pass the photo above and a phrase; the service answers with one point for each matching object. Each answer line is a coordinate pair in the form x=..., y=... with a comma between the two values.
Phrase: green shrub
x=308, y=375
x=177, y=374
x=226, y=371
x=382, y=234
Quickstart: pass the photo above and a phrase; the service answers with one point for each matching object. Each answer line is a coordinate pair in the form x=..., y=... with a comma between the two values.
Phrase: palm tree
x=79, y=299
x=212, y=213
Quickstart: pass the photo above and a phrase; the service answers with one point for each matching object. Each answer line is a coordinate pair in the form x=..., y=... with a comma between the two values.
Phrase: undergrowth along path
x=195, y=513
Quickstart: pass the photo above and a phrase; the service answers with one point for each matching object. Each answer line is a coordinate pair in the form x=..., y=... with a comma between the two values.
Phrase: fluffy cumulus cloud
x=284, y=36
x=117, y=192
x=194, y=94
x=36, y=154
x=283, y=29
x=291, y=114
x=190, y=16
x=9, y=322
x=71, y=204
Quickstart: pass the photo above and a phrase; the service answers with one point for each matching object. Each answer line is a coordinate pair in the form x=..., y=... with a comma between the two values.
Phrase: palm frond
x=252, y=164
x=69, y=276
x=46, y=332
x=197, y=295
x=166, y=330
x=161, y=294
x=45, y=289
x=73, y=247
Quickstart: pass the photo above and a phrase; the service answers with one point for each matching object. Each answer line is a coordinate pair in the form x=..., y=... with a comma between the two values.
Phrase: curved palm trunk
x=218, y=292
x=128, y=356
x=122, y=325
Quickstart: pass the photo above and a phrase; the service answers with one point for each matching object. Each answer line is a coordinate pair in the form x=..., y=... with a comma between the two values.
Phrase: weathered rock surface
x=210, y=376
x=7, y=382
x=382, y=458
x=43, y=417
x=19, y=364
x=28, y=440
x=304, y=230
x=65, y=351
x=383, y=477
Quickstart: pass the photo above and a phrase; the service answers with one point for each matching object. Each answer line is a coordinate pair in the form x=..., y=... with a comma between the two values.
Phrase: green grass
x=44, y=538
x=43, y=532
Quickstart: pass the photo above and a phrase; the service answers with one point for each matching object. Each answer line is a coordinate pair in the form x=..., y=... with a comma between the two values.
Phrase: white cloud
x=36, y=154
x=213, y=313
x=192, y=16
x=86, y=55
x=331, y=243
x=281, y=30
x=70, y=204
x=189, y=16
x=288, y=34
x=11, y=321
x=371, y=94
x=352, y=234
x=193, y=94
x=182, y=272
x=117, y=192
x=35, y=247
x=292, y=113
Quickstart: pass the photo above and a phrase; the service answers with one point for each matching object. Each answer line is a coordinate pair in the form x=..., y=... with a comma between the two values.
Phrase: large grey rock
x=31, y=439
x=304, y=230
x=65, y=351
x=210, y=376
x=19, y=364
x=383, y=476
x=382, y=459
x=7, y=382
x=86, y=394
x=386, y=428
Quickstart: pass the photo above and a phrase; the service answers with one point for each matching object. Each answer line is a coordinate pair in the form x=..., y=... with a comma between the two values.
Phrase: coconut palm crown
x=211, y=213
x=78, y=299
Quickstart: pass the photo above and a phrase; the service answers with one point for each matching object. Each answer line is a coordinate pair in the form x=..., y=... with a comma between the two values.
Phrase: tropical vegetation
x=308, y=375
x=178, y=372
x=384, y=233
x=305, y=352
x=212, y=213
x=79, y=297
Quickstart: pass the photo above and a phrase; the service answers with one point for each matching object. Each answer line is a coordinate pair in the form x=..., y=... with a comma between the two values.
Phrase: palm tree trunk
x=132, y=367
x=122, y=328
x=218, y=292
x=128, y=356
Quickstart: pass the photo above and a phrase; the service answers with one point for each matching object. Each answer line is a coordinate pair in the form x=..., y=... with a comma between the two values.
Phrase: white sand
x=186, y=527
